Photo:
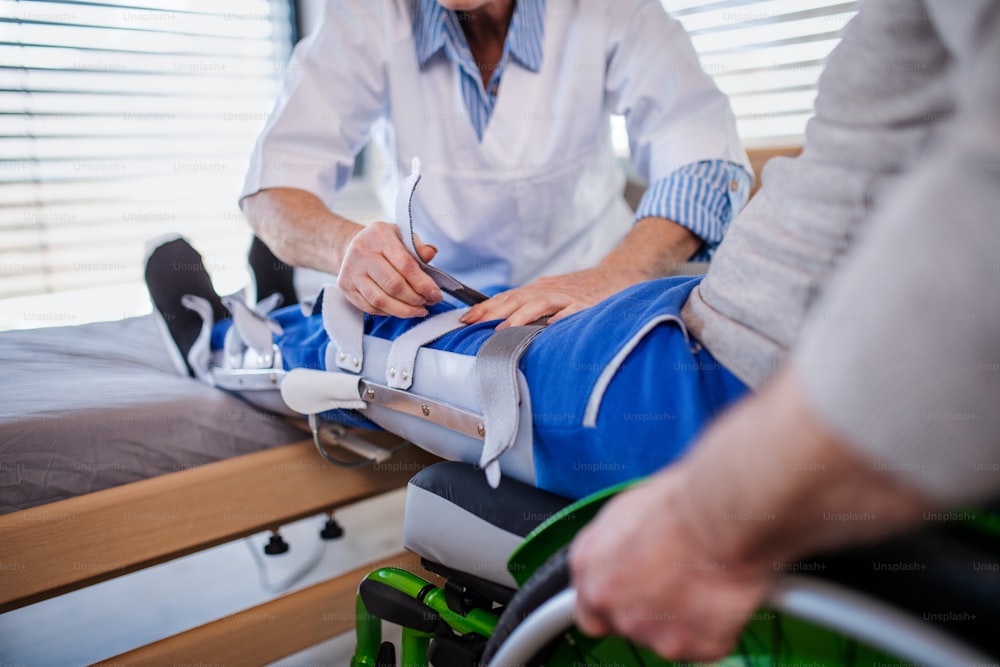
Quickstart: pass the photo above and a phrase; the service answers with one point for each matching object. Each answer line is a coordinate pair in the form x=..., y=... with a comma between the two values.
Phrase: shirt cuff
x=702, y=197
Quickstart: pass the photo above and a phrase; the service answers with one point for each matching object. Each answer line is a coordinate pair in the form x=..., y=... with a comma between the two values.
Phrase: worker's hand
x=643, y=572
x=379, y=275
x=552, y=296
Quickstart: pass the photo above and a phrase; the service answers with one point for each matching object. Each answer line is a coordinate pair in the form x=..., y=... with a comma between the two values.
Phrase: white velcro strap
x=269, y=304
x=404, y=221
x=499, y=394
x=345, y=324
x=311, y=392
x=200, y=355
x=251, y=327
x=403, y=353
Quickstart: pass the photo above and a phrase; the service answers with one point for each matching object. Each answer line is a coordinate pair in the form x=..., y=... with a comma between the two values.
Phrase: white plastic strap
x=268, y=304
x=200, y=354
x=345, y=324
x=403, y=353
x=250, y=327
x=404, y=217
x=311, y=392
x=499, y=394
x=404, y=220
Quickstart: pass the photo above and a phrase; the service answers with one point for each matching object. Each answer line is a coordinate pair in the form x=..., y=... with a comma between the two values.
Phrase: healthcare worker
x=507, y=105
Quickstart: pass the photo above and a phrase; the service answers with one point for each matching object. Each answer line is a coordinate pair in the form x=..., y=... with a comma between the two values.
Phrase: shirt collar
x=436, y=28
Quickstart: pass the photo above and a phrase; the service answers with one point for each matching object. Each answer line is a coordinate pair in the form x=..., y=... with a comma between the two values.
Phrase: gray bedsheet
x=88, y=407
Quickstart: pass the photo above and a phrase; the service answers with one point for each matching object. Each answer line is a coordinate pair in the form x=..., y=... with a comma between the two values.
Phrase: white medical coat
x=541, y=194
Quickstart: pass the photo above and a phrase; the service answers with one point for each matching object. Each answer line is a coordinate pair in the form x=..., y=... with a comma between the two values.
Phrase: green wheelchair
x=931, y=597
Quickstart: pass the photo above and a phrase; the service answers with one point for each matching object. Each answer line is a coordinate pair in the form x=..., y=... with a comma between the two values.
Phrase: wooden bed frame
x=137, y=525
x=200, y=508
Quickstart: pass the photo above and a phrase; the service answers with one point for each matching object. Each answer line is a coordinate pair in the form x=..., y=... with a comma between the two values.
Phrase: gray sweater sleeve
x=902, y=355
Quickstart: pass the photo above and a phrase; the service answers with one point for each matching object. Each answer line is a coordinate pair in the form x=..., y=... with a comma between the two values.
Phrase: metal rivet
x=341, y=356
x=481, y=430
x=405, y=375
x=355, y=361
x=370, y=394
x=392, y=372
x=426, y=409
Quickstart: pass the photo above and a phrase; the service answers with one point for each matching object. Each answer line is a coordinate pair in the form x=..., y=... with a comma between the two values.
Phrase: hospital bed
x=111, y=463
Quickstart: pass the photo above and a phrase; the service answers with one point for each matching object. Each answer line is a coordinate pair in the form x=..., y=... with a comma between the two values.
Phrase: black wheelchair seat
x=454, y=519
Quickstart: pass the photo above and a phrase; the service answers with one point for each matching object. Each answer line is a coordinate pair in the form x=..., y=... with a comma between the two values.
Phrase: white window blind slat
x=133, y=108
x=787, y=32
x=56, y=127
x=62, y=58
x=163, y=18
x=125, y=84
x=257, y=8
x=128, y=40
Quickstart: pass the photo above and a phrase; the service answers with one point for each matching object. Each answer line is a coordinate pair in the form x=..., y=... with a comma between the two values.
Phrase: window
x=766, y=55
x=120, y=121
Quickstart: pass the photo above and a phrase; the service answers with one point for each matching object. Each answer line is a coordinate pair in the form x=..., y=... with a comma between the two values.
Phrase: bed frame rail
x=59, y=547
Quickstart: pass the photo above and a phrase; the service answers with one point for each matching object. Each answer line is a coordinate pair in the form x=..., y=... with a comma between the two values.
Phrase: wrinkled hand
x=552, y=296
x=642, y=572
x=379, y=276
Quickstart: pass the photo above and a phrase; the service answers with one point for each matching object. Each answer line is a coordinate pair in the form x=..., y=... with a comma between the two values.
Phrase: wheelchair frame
x=454, y=626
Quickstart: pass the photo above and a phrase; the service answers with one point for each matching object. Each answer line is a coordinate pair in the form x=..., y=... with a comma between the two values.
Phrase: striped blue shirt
x=703, y=197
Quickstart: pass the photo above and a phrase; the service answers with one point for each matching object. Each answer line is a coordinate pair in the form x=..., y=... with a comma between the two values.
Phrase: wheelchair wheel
x=808, y=621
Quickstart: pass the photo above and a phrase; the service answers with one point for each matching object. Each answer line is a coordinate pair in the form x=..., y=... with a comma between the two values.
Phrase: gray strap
x=496, y=376
x=403, y=353
x=345, y=324
x=404, y=220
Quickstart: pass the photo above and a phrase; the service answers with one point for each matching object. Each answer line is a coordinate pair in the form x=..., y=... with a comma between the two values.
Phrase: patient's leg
x=616, y=391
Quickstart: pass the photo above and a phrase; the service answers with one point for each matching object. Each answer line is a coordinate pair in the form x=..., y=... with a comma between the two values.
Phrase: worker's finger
x=367, y=295
x=587, y=616
x=528, y=313
x=566, y=312
x=391, y=280
x=415, y=280
x=427, y=252
x=498, y=307
x=588, y=620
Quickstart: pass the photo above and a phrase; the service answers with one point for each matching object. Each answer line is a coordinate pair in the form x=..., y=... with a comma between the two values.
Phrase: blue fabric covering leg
x=659, y=397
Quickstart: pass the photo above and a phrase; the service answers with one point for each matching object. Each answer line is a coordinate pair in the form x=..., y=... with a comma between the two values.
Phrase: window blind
x=767, y=56
x=120, y=121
